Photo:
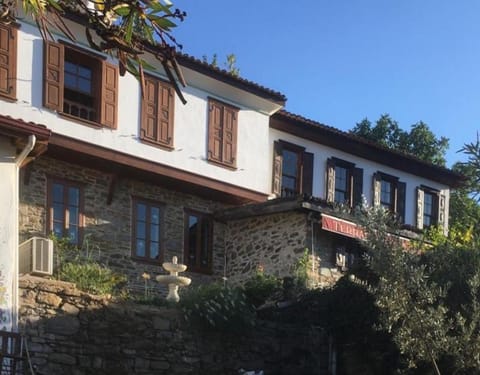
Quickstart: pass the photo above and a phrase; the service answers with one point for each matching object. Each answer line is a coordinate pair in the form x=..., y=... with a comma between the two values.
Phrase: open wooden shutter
x=442, y=211
x=8, y=61
x=149, y=116
x=215, y=131
x=277, y=169
x=229, y=144
x=377, y=187
x=307, y=174
x=401, y=192
x=357, y=174
x=53, y=75
x=420, y=199
x=165, y=115
x=109, y=95
x=330, y=181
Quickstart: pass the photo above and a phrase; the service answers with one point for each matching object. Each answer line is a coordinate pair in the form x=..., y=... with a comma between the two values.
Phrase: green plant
x=217, y=307
x=301, y=268
x=261, y=287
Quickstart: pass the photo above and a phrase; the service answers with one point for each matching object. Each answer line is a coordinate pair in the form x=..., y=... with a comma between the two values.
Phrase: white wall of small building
x=190, y=122
x=322, y=153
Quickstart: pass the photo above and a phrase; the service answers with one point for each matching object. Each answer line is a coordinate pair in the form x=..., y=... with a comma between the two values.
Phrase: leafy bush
x=92, y=277
x=261, y=287
x=218, y=307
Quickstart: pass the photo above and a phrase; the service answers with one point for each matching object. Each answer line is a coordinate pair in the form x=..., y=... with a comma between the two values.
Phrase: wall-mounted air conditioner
x=36, y=256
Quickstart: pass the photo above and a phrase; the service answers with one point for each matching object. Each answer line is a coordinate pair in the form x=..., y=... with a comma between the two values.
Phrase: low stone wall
x=71, y=332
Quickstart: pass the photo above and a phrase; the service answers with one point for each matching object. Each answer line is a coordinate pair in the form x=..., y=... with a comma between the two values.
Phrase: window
x=292, y=170
x=198, y=241
x=8, y=61
x=157, y=113
x=65, y=210
x=222, y=133
x=389, y=192
x=431, y=208
x=344, y=182
x=147, y=230
x=80, y=84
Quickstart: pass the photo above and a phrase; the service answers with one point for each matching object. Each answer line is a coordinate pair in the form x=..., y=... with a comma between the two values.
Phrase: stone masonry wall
x=71, y=332
x=108, y=226
x=274, y=242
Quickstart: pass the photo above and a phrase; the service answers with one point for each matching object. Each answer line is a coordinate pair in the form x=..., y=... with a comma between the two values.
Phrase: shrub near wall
x=71, y=332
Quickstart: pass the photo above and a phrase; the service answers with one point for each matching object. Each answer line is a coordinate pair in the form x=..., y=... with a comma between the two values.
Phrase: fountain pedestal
x=173, y=280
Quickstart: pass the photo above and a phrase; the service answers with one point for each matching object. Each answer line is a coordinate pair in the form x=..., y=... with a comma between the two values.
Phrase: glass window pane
x=141, y=230
x=70, y=80
x=74, y=196
x=84, y=85
x=155, y=215
x=73, y=215
x=141, y=212
x=205, y=250
x=57, y=193
x=84, y=72
x=70, y=67
x=58, y=212
x=140, y=248
x=192, y=239
x=73, y=234
x=154, y=232
x=289, y=183
x=58, y=229
x=290, y=163
x=154, y=250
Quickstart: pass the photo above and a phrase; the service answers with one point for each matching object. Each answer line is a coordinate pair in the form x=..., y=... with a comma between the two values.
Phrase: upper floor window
x=157, y=112
x=389, y=192
x=344, y=182
x=8, y=61
x=292, y=170
x=147, y=230
x=222, y=133
x=80, y=84
x=198, y=241
x=65, y=210
x=431, y=207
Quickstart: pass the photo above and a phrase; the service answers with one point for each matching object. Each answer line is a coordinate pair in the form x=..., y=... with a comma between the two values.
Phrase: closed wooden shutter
x=401, y=193
x=420, y=196
x=229, y=146
x=157, y=112
x=109, y=95
x=357, y=186
x=215, y=132
x=377, y=187
x=8, y=61
x=53, y=75
x=307, y=174
x=330, y=181
x=442, y=211
x=277, y=169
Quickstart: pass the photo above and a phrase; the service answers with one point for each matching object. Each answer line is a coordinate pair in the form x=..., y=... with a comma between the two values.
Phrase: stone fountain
x=173, y=280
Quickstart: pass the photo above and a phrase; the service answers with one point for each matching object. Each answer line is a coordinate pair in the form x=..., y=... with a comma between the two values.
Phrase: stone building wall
x=108, y=226
x=274, y=242
x=70, y=332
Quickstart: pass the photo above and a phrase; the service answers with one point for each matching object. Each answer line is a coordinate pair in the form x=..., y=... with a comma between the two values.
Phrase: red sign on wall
x=340, y=226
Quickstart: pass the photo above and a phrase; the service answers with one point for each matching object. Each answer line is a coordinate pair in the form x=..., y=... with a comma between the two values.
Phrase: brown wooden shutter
x=109, y=95
x=8, y=61
x=165, y=113
x=229, y=144
x=377, y=187
x=401, y=195
x=277, y=169
x=330, y=181
x=420, y=199
x=307, y=173
x=53, y=75
x=215, y=132
x=148, y=127
x=357, y=174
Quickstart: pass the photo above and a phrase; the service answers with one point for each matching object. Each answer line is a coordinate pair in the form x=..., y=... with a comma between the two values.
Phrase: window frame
x=51, y=181
x=159, y=86
x=434, y=215
x=161, y=250
x=354, y=182
x=197, y=266
x=397, y=194
x=220, y=138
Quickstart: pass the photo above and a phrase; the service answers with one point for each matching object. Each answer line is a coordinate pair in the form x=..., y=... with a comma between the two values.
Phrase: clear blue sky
x=339, y=61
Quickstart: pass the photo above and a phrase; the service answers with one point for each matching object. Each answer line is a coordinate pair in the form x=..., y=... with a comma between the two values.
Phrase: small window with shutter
x=431, y=208
x=292, y=170
x=389, y=192
x=157, y=112
x=344, y=182
x=222, y=133
x=8, y=61
x=80, y=84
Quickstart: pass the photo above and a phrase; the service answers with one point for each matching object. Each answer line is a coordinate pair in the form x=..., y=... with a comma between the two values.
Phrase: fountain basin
x=176, y=280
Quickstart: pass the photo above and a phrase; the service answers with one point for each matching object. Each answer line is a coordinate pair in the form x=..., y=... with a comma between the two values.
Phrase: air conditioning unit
x=36, y=256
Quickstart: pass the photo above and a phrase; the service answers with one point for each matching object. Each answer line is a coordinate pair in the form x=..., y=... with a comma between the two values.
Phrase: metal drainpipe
x=18, y=163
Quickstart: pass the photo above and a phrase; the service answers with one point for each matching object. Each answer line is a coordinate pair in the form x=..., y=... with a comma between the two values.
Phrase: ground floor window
x=198, y=241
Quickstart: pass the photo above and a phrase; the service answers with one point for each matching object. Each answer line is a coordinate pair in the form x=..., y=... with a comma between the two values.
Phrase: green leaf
x=122, y=10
